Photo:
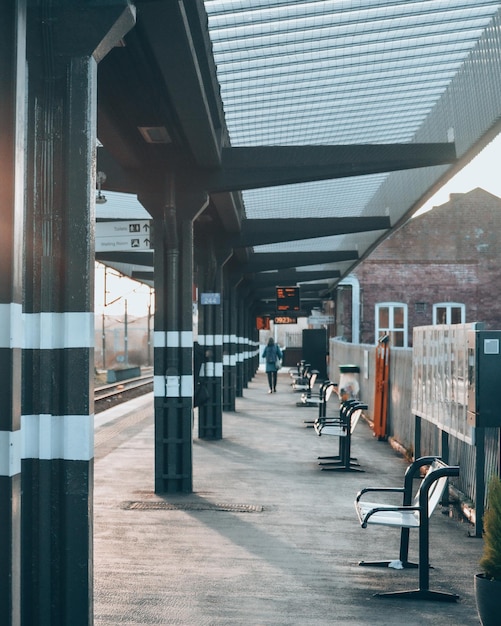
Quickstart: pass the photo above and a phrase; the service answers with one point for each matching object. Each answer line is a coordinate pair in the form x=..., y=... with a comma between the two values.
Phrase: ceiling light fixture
x=155, y=134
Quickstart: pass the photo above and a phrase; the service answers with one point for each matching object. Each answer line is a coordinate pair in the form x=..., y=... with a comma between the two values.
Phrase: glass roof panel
x=312, y=72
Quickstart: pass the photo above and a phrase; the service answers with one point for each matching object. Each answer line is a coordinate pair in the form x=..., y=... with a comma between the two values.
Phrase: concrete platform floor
x=267, y=538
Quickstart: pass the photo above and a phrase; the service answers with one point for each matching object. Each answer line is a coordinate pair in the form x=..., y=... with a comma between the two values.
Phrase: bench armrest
x=329, y=420
x=379, y=489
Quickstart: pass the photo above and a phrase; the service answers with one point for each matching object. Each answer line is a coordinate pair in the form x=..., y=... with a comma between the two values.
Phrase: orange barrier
x=382, y=384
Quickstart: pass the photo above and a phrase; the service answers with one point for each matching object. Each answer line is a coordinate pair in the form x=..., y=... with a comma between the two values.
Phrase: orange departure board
x=288, y=299
x=263, y=322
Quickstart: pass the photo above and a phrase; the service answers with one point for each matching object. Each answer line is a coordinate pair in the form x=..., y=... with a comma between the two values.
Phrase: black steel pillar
x=210, y=335
x=229, y=345
x=12, y=159
x=58, y=355
x=240, y=344
x=247, y=343
x=173, y=356
x=254, y=335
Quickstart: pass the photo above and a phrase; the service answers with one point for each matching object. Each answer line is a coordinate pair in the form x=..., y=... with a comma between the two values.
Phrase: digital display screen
x=285, y=319
x=288, y=299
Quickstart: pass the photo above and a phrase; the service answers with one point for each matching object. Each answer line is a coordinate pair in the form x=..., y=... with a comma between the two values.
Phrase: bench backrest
x=328, y=389
x=300, y=371
x=355, y=416
x=312, y=379
x=436, y=488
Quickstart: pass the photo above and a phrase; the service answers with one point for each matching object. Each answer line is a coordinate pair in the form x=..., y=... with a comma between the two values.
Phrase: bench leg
x=334, y=458
x=341, y=468
x=420, y=594
x=424, y=592
x=404, y=554
x=344, y=464
x=404, y=564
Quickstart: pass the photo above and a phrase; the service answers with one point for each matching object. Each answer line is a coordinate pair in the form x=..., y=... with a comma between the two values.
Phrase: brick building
x=443, y=266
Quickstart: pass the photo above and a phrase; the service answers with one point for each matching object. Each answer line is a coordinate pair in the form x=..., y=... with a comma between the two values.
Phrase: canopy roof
x=331, y=121
x=297, y=72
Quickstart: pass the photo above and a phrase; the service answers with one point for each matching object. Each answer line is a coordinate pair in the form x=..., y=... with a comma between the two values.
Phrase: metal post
x=57, y=402
x=149, y=329
x=239, y=345
x=228, y=350
x=12, y=159
x=126, y=335
x=417, y=436
x=173, y=356
x=479, y=480
x=103, y=324
x=173, y=386
x=210, y=418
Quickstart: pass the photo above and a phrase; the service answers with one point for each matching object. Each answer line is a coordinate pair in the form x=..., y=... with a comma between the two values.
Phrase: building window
x=449, y=313
x=391, y=319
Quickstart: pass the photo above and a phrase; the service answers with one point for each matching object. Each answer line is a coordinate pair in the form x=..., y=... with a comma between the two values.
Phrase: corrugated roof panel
x=296, y=72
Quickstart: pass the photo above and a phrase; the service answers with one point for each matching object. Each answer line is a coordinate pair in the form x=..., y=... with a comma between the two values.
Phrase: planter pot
x=488, y=598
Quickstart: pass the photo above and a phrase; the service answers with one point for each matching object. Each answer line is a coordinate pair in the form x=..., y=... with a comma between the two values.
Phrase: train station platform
x=267, y=538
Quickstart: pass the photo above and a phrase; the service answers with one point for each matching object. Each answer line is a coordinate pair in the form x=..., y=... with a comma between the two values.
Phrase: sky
x=484, y=171
x=119, y=290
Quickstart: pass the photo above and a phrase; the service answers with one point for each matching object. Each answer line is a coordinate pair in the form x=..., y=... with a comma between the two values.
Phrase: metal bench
x=306, y=383
x=414, y=512
x=326, y=390
x=298, y=373
x=312, y=399
x=341, y=426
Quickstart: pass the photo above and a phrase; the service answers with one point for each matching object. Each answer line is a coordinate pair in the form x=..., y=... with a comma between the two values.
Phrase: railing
x=401, y=420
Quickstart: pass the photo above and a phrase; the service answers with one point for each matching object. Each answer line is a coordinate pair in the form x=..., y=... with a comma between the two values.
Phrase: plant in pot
x=488, y=583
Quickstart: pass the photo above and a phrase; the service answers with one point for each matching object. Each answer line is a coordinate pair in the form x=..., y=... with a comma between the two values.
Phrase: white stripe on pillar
x=53, y=331
x=10, y=452
x=230, y=359
x=159, y=386
x=68, y=437
x=212, y=369
x=173, y=386
x=210, y=340
x=173, y=339
x=11, y=325
x=187, y=386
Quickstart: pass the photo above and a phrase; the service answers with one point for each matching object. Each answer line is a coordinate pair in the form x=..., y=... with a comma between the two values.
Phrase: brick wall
x=449, y=254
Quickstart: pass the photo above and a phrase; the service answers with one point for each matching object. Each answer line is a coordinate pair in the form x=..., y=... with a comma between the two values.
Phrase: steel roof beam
x=290, y=277
x=135, y=258
x=281, y=260
x=142, y=275
x=265, y=231
x=270, y=166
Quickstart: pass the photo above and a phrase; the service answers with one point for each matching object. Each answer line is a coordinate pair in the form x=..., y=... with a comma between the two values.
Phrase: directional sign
x=210, y=298
x=123, y=236
x=321, y=319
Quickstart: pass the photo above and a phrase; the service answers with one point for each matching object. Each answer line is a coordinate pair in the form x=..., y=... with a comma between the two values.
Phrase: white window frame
x=448, y=306
x=391, y=306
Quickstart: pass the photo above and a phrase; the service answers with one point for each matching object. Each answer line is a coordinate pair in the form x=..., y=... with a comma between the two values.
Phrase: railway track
x=107, y=396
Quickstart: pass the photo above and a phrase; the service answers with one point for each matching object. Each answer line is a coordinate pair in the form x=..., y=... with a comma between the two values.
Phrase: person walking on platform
x=271, y=354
